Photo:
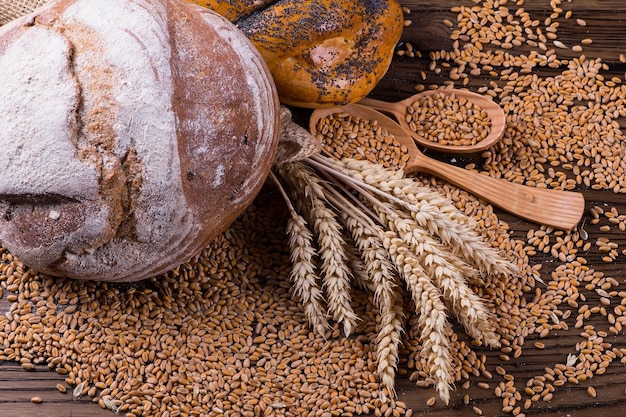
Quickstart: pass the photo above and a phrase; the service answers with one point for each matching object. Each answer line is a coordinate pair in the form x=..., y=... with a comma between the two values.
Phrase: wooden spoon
x=399, y=109
x=560, y=209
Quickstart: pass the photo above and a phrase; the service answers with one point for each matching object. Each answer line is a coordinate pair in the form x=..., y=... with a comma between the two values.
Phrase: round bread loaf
x=133, y=132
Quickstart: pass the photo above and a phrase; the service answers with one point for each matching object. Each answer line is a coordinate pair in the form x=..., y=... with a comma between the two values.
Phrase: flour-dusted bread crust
x=133, y=132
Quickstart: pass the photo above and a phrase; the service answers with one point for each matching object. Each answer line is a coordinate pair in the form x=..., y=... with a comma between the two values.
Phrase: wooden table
x=605, y=23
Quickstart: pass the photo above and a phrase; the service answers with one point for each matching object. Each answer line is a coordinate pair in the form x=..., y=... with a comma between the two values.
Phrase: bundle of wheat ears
x=356, y=222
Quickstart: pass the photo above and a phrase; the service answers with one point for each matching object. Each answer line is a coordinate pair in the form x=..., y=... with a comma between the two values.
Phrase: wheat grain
x=447, y=119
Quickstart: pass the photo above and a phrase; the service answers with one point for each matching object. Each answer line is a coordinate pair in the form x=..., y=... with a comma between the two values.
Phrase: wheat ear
x=336, y=272
x=431, y=312
x=380, y=270
x=302, y=275
x=445, y=269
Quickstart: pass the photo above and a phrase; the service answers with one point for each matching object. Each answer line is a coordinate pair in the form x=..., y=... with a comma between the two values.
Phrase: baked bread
x=321, y=53
x=133, y=132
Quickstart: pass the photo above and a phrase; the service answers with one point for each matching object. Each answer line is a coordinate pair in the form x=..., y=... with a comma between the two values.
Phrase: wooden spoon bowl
x=399, y=110
x=560, y=209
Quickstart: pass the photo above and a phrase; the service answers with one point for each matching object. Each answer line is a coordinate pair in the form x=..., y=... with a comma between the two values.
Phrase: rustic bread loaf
x=133, y=132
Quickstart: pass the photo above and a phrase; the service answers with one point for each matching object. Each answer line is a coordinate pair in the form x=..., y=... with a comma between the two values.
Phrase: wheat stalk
x=382, y=273
x=394, y=229
x=303, y=274
x=378, y=275
x=389, y=338
x=439, y=263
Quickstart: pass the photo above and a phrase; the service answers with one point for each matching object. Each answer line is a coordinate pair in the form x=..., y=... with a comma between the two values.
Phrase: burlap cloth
x=12, y=9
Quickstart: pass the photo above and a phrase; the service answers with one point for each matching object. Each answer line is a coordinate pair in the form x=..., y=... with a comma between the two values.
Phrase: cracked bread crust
x=136, y=132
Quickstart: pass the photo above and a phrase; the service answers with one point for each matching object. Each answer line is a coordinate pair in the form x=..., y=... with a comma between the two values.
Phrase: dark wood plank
x=429, y=33
x=18, y=387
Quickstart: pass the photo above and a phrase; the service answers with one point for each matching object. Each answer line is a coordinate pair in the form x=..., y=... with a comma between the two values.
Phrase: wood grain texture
x=18, y=386
x=560, y=209
x=605, y=25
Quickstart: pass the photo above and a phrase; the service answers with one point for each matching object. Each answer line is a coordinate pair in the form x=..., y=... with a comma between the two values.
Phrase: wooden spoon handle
x=560, y=209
